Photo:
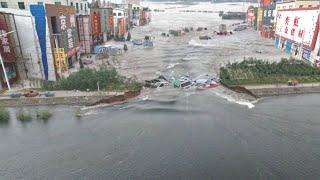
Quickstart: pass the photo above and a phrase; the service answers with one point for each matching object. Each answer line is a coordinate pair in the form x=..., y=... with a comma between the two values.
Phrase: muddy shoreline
x=80, y=100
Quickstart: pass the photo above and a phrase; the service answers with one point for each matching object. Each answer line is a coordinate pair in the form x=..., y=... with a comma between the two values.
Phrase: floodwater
x=173, y=134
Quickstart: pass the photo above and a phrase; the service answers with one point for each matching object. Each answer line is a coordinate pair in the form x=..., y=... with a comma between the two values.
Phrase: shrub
x=23, y=115
x=43, y=114
x=107, y=78
x=4, y=114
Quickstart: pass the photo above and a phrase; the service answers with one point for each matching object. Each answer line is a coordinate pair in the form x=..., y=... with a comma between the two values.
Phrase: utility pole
x=2, y=63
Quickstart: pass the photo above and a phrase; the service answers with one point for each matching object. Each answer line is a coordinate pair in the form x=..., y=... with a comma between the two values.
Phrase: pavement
x=272, y=86
x=6, y=95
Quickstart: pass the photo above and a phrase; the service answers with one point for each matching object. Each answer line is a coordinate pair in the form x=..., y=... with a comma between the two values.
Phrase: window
x=301, y=6
x=119, y=14
x=85, y=7
x=81, y=7
x=54, y=25
x=21, y=5
x=114, y=14
x=310, y=6
x=4, y=4
x=77, y=7
x=71, y=4
x=57, y=3
x=290, y=7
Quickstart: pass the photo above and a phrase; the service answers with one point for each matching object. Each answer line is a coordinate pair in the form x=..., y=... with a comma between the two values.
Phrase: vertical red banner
x=5, y=47
x=122, y=26
x=110, y=22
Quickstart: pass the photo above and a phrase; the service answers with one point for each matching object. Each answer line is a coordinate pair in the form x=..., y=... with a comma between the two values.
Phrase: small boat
x=31, y=94
x=15, y=95
x=137, y=42
x=49, y=94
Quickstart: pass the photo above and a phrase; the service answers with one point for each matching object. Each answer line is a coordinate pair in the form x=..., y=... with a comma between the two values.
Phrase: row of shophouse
x=44, y=39
x=293, y=24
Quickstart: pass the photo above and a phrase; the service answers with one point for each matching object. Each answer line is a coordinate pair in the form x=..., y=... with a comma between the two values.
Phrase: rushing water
x=169, y=133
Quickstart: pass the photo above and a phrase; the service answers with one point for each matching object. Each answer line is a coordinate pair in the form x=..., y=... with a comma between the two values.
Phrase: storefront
x=7, y=52
x=297, y=32
x=64, y=34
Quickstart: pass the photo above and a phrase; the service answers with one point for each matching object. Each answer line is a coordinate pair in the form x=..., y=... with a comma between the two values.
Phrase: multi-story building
x=119, y=18
x=23, y=57
x=297, y=33
x=81, y=6
x=83, y=23
x=293, y=4
x=64, y=37
x=25, y=4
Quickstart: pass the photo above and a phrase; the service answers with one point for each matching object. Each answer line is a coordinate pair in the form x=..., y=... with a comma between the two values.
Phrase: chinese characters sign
x=5, y=49
x=96, y=23
x=60, y=59
x=298, y=26
x=66, y=26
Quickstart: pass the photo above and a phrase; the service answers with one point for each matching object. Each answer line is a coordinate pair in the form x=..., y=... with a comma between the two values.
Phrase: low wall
x=263, y=92
x=70, y=100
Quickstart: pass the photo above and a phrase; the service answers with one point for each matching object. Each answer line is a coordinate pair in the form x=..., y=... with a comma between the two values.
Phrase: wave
x=249, y=104
x=172, y=65
x=193, y=42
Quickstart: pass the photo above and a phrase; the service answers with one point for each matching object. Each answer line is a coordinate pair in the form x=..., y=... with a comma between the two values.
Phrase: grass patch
x=23, y=115
x=255, y=72
x=43, y=114
x=89, y=79
x=4, y=114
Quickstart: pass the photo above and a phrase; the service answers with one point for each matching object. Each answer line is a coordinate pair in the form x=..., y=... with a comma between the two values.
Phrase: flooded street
x=187, y=55
x=174, y=134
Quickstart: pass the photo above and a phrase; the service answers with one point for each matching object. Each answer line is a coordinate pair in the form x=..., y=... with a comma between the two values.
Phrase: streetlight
x=2, y=64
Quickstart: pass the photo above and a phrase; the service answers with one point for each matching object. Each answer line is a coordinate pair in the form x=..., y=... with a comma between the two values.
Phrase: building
x=107, y=24
x=97, y=35
x=293, y=4
x=25, y=4
x=119, y=21
x=83, y=24
x=265, y=18
x=63, y=37
x=297, y=33
x=81, y=6
x=25, y=46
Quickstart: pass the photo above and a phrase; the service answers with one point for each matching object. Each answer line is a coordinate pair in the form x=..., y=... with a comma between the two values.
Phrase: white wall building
x=25, y=4
x=29, y=62
x=297, y=4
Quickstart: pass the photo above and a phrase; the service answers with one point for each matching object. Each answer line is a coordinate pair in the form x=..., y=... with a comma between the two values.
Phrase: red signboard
x=122, y=27
x=95, y=23
x=5, y=47
x=110, y=22
x=264, y=3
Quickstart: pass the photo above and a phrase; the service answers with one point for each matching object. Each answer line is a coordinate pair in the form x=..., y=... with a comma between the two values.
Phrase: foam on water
x=235, y=100
x=193, y=42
